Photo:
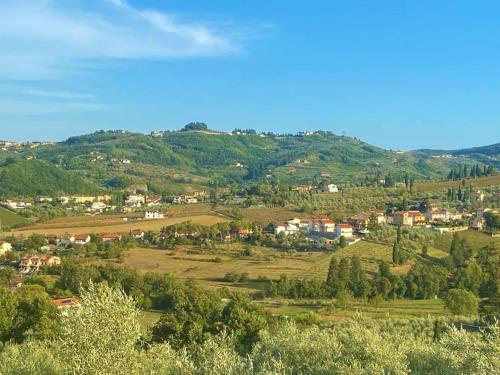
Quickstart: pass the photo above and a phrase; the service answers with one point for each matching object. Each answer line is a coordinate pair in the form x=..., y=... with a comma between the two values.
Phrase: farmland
x=209, y=267
x=80, y=225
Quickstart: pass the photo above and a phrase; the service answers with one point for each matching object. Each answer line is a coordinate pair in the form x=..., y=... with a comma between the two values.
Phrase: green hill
x=195, y=157
x=38, y=177
x=9, y=218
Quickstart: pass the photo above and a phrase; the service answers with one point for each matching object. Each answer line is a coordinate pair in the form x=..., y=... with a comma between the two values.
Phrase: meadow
x=10, y=219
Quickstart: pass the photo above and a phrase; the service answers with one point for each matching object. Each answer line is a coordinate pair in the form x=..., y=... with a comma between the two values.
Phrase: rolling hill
x=196, y=157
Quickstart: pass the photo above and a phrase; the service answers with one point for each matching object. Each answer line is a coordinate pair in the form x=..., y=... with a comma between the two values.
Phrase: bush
x=461, y=302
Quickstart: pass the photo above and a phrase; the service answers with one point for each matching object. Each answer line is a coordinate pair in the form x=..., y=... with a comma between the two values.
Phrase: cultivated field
x=476, y=182
x=210, y=266
x=98, y=224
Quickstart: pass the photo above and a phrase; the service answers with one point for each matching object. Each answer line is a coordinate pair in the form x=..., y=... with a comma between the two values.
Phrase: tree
x=342, y=242
x=395, y=254
x=358, y=284
x=8, y=308
x=398, y=236
x=461, y=302
x=425, y=250
x=36, y=315
x=332, y=273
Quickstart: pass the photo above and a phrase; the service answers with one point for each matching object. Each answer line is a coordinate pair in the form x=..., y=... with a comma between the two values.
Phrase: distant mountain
x=198, y=157
x=491, y=150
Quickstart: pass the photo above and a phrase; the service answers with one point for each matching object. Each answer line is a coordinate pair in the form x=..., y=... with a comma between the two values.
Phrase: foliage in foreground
x=104, y=336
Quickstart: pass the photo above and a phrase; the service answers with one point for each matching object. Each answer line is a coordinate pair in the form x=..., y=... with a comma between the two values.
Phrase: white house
x=81, y=239
x=153, y=215
x=135, y=200
x=331, y=188
x=288, y=227
x=5, y=247
x=343, y=230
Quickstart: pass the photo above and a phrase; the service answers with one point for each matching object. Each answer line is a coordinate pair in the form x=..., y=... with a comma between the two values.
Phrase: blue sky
x=396, y=73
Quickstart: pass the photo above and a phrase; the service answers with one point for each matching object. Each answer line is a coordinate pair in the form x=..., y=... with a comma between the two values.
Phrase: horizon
x=398, y=75
x=259, y=131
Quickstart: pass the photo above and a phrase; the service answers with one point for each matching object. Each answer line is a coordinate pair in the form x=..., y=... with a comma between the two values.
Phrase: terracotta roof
x=345, y=226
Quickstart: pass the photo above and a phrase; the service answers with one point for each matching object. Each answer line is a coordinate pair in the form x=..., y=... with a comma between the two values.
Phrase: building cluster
x=317, y=225
x=189, y=198
x=90, y=203
x=322, y=188
x=30, y=264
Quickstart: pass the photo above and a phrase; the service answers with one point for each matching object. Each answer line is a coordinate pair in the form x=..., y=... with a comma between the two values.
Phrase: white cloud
x=46, y=39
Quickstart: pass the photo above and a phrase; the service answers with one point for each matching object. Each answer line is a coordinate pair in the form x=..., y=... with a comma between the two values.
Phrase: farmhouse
x=105, y=237
x=16, y=204
x=417, y=218
x=288, y=227
x=153, y=200
x=321, y=225
x=152, y=215
x=330, y=188
x=136, y=233
x=477, y=195
x=66, y=303
x=437, y=215
x=343, y=229
x=81, y=239
x=478, y=223
x=5, y=247
x=361, y=221
x=33, y=263
x=402, y=218
x=135, y=200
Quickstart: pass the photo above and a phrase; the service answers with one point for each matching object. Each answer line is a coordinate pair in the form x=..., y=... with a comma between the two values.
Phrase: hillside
x=37, y=177
x=197, y=157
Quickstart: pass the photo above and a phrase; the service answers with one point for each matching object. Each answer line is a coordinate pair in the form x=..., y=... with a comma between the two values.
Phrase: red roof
x=82, y=237
x=345, y=226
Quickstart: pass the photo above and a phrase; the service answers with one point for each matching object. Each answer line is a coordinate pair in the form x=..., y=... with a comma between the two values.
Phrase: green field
x=9, y=218
x=381, y=310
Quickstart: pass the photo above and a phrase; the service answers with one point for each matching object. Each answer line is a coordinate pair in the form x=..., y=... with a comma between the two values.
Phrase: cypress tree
x=398, y=236
x=332, y=272
x=395, y=253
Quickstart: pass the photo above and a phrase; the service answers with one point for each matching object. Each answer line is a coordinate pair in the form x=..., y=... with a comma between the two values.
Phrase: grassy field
x=476, y=240
x=210, y=266
x=9, y=218
x=107, y=224
x=381, y=310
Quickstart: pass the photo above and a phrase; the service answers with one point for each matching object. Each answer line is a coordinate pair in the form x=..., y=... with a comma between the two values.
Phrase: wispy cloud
x=46, y=39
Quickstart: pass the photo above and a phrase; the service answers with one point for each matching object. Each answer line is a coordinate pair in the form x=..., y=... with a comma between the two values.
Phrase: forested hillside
x=36, y=177
x=197, y=157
